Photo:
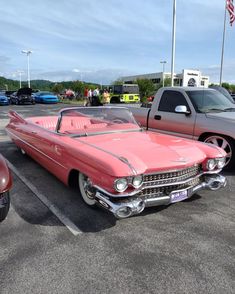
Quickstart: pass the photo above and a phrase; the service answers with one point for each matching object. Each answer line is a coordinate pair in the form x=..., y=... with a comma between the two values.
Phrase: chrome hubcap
x=222, y=143
x=88, y=187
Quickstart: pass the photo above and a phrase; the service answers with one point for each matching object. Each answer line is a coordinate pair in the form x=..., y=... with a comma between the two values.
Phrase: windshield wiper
x=214, y=109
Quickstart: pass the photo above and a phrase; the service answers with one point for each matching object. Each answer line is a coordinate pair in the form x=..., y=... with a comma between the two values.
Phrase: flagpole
x=222, y=53
x=173, y=45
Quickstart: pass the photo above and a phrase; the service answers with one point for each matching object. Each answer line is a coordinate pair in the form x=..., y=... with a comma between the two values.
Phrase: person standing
x=89, y=97
x=86, y=98
x=106, y=96
x=95, y=98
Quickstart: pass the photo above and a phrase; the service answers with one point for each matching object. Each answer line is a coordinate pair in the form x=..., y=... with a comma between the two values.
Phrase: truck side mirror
x=182, y=109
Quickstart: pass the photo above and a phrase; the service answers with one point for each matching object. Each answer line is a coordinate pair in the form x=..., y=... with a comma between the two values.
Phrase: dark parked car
x=22, y=96
x=9, y=93
x=5, y=185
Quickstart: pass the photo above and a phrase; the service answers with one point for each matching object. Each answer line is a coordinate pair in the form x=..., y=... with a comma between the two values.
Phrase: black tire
x=115, y=100
x=85, y=190
x=227, y=144
x=4, y=210
x=16, y=102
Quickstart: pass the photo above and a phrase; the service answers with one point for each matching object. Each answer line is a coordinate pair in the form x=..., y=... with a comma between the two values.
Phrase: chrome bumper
x=134, y=205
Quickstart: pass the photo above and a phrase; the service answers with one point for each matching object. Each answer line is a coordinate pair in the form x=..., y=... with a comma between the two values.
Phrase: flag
x=230, y=8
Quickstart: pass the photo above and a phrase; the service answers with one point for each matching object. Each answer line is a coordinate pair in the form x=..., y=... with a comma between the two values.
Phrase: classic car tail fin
x=15, y=116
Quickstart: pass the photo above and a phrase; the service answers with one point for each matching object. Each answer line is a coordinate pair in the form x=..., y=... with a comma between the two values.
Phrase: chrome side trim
x=125, y=161
x=36, y=149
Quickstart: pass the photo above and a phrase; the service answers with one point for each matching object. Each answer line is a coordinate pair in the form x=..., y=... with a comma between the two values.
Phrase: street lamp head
x=27, y=51
x=163, y=61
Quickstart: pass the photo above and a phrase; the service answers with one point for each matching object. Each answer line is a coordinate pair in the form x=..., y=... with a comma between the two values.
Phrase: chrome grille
x=171, y=177
x=170, y=181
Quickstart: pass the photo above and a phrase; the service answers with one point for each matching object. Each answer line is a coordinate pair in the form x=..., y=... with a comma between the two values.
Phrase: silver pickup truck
x=195, y=113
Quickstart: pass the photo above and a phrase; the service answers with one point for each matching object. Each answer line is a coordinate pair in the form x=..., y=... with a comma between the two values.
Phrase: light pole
x=173, y=44
x=163, y=71
x=27, y=52
x=20, y=72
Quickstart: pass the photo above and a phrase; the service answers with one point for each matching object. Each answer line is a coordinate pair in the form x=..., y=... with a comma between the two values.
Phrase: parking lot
x=51, y=242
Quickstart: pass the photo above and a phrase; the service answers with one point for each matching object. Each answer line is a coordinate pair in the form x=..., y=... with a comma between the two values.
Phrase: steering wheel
x=117, y=121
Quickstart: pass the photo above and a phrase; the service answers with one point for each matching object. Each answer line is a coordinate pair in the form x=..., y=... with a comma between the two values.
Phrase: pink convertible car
x=115, y=163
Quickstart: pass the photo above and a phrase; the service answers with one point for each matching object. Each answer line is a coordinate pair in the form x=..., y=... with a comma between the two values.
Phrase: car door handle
x=157, y=117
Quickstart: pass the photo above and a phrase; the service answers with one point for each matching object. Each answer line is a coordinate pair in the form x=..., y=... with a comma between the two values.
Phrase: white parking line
x=64, y=219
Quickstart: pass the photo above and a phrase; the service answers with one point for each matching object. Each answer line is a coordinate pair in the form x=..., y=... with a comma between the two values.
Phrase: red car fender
x=5, y=176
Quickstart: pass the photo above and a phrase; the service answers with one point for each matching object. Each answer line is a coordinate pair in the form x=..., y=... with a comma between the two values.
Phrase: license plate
x=179, y=196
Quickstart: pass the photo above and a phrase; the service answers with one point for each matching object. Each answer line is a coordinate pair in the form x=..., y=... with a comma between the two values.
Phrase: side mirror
x=182, y=109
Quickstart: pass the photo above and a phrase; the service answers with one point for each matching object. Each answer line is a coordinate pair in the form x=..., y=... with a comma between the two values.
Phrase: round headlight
x=221, y=162
x=211, y=164
x=120, y=185
x=137, y=181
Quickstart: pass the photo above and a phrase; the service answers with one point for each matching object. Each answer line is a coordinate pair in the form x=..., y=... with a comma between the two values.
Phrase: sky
x=100, y=41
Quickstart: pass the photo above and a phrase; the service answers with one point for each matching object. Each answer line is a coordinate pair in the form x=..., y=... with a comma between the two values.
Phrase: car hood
x=228, y=116
x=24, y=91
x=149, y=152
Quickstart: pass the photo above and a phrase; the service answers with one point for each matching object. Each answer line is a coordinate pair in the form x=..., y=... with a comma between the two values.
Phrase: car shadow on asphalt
x=33, y=211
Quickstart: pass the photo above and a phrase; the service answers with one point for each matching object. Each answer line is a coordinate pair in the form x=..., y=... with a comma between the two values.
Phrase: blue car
x=3, y=99
x=45, y=97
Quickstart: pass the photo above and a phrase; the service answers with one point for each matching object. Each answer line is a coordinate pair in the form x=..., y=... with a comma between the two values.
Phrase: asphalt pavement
x=51, y=242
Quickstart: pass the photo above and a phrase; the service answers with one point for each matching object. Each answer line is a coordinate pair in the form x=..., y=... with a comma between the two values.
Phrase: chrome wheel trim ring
x=84, y=185
x=222, y=143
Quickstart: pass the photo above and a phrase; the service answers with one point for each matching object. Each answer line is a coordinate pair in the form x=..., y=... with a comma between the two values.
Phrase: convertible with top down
x=114, y=162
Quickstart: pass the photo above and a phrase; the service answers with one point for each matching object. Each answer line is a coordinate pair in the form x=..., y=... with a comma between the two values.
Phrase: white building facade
x=188, y=77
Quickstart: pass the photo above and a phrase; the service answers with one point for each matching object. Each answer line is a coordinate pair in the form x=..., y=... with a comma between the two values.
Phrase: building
x=188, y=77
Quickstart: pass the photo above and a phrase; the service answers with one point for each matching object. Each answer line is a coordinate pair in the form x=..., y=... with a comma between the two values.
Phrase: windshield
x=84, y=121
x=223, y=91
x=210, y=101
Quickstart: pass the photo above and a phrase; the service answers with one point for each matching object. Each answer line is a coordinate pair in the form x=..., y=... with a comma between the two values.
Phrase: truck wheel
x=225, y=143
x=4, y=205
x=86, y=190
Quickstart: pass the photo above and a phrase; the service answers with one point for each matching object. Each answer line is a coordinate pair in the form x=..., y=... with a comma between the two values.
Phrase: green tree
x=146, y=88
x=232, y=88
x=226, y=86
x=167, y=83
x=77, y=86
x=57, y=88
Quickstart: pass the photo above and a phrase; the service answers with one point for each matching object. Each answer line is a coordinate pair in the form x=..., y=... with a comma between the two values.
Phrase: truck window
x=171, y=99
